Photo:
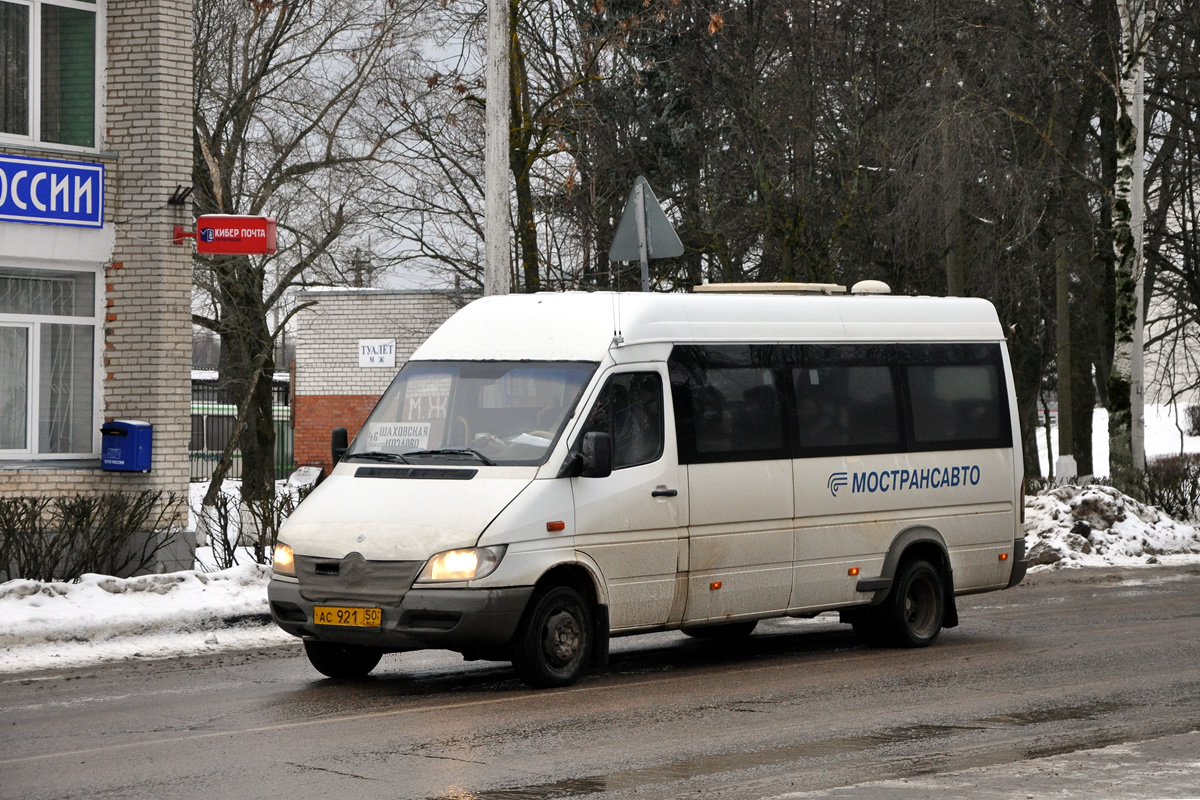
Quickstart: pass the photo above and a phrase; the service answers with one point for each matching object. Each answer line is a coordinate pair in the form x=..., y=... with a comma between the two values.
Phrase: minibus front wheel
x=341, y=661
x=554, y=642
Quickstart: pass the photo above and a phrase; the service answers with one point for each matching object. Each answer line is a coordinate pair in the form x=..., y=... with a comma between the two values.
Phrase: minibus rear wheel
x=554, y=642
x=342, y=661
x=914, y=610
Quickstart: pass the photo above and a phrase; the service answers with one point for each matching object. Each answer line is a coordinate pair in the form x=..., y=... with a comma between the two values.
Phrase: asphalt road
x=1083, y=683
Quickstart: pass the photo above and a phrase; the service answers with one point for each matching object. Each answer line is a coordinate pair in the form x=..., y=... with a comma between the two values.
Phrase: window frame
x=34, y=323
x=34, y=137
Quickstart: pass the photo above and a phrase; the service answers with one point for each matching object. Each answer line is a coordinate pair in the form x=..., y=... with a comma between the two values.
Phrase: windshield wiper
x=379, y=455
x=470, y=452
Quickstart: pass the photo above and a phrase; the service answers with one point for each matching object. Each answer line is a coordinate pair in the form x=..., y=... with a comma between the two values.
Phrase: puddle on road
x=705, y=765
x=1038, y=716
x=728, y=762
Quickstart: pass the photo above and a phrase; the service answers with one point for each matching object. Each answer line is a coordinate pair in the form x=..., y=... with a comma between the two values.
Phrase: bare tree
x=1138, y=19
x=287, y=123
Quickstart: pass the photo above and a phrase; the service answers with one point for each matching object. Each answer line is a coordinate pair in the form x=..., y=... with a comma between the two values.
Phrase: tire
x=913, y=612
x=342, y=661
x=555, y=639
x=730, y=631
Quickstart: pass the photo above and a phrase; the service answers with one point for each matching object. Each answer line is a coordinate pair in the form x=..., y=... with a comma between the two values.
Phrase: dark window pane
x=955, y=403
x=68, y=76
x=846, y=407
x=14, y=69
x=219, y=430
x=728, y=404
x=197, y=441
x=737, y=410
x=630, y=409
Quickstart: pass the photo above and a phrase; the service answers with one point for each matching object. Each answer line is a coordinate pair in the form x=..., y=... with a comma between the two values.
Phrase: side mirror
x=597, y=455
x=340, y=444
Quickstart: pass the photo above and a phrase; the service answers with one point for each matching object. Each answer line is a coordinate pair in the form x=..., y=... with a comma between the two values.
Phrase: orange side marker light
x=1004, y=556
x=557, y=525
x=715, y=585
x=852, y=572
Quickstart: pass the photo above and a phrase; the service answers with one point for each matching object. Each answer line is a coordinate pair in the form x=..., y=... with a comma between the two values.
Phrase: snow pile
x=1095, y=526
x=104, y=618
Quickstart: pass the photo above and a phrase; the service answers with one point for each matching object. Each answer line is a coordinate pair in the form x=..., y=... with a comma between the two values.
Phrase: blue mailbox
x=126, y=445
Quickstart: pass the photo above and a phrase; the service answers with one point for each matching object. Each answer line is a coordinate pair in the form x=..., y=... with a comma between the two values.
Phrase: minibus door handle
x=662, y=491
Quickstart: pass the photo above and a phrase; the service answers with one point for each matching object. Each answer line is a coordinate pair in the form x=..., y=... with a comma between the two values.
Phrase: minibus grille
x=354, y=579
x=416, y=473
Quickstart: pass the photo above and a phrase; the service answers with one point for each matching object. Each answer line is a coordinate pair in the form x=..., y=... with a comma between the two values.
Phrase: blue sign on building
x=51, y=192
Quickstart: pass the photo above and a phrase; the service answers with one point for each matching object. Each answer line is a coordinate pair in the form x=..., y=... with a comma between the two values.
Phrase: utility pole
x=1137, y=221
x=496, y=277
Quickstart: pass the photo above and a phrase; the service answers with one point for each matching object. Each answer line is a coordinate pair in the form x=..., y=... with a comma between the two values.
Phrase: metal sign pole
x=643, y=245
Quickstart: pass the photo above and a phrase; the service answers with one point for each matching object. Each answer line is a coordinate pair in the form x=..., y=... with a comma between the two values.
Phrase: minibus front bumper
x=475, y=622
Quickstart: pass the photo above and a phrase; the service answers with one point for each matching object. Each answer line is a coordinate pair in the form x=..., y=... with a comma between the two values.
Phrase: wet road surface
x=1082, y=683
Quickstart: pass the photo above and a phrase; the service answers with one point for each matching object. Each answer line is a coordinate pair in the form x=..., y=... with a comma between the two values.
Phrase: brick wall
x=331, y=389
x=316, y=417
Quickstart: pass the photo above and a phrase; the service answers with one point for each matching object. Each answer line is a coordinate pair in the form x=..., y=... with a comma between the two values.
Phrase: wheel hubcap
x=563, y=638
x=920, y=607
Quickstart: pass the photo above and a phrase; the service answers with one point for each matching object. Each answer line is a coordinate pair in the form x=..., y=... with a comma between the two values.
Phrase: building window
x=49, y=330
x=48, y=71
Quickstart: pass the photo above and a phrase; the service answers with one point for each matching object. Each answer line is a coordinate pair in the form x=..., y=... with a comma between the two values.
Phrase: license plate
x=352, y=617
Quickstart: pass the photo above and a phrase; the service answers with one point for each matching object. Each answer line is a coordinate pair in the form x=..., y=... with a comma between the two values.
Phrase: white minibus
x=550, y=470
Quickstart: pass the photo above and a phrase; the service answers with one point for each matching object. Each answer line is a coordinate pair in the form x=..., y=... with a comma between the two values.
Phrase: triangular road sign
x=655, y=229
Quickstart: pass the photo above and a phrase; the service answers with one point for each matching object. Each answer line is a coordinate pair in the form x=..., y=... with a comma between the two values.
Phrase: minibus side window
x=955, y=403
x=846, y=400
x=847, y=408
x=630, y=409
x=729, y=403
x=957, y=396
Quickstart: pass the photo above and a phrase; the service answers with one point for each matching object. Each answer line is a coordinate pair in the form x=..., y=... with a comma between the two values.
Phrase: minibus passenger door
x=632, y=522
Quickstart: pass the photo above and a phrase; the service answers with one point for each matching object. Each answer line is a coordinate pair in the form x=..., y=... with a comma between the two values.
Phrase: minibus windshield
x=479, y=412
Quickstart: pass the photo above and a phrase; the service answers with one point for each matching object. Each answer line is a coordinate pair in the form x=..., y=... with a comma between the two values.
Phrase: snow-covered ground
x=49, y=625
x=1164, y=436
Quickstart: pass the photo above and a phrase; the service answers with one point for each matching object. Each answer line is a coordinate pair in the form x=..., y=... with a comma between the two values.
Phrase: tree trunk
x=521, y=158
x=1136, y=18
x=247, y=357
x=1065, y=360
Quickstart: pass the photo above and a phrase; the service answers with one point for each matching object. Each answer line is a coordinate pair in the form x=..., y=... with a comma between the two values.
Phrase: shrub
x=1191, y=416
x=235, y=526
x=117, y=533
x=1172, y=483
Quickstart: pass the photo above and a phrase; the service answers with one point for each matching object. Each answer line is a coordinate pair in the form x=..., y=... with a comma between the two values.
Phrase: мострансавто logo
x=901, y=480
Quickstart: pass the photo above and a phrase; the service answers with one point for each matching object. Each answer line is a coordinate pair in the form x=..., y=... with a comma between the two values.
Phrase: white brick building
x=333, y=388
x=95, y=321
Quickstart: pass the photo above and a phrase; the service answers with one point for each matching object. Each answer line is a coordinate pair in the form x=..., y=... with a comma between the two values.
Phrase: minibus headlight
x=462, y=565
x=283, y=562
